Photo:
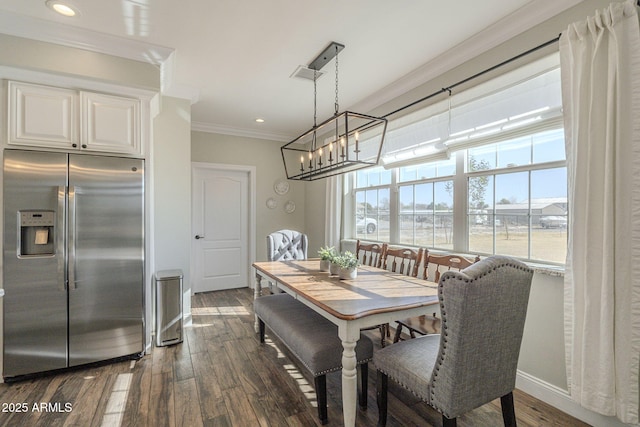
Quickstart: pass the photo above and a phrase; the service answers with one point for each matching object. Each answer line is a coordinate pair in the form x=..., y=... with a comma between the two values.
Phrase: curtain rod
x=488, y=70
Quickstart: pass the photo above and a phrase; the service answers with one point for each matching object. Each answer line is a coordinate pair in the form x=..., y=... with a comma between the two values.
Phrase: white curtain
x=333, y=211
x=600, y=63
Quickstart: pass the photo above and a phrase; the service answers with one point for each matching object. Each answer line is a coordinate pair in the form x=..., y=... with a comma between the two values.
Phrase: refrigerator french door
x=73, y=261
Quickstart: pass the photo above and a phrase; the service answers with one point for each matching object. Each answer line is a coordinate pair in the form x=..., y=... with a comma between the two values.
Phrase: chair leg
x=396, y=338
x=321, y=397
x=261, y=328
x=449, y=422
x=381, y=395
x=382, y=335
x=364, y=385
x=508, y=410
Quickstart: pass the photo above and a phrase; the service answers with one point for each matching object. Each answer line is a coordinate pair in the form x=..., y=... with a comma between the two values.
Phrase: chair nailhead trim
x=403, y=385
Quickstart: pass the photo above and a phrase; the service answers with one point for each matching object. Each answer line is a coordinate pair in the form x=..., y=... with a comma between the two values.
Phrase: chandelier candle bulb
x=320, y=157
x=301, y=163
x=342, y=144
x=331, y=152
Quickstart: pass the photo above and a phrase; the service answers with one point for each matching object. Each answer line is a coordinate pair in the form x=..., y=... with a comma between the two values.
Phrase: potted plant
x=327, y=254
x=348, y=263
x=334, y=267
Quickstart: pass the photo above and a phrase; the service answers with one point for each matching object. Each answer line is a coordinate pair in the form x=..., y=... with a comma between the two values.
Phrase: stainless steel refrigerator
x=73, y=261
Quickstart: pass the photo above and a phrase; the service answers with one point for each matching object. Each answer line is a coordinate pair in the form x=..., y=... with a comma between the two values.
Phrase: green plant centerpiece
x=327, y=254
x=348, y=263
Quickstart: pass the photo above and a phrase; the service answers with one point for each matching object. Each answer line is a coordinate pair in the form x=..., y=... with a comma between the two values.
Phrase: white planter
x=334, y=269
x=348, y=273
x=324, y=264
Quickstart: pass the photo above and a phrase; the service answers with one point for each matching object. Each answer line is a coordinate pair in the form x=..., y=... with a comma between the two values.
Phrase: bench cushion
x=309, y=336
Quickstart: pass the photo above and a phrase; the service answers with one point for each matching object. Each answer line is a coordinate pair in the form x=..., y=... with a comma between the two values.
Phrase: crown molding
x=525, y=18
x=53, y=32
x=235, y=131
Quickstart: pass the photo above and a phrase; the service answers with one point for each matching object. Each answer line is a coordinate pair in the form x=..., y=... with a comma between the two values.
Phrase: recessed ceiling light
x=62, y=8
x=259, y=120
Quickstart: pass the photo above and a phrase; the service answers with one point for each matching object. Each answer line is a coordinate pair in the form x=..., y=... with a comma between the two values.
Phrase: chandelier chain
x=315, y=97
x=337, y=108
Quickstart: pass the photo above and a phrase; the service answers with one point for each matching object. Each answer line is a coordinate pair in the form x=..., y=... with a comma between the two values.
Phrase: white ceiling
x=234, y=58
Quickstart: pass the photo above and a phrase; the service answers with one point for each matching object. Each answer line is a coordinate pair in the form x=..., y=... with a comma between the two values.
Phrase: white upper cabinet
x=45, y=116
x=42, y=116
x=110, y=123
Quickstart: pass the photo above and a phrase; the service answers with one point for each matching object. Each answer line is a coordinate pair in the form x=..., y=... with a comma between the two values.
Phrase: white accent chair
x=286, y=245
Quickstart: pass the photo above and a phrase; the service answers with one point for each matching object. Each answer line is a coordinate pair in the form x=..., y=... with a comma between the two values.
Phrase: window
x=517, y=198
x=494, y=184
x=372, y=217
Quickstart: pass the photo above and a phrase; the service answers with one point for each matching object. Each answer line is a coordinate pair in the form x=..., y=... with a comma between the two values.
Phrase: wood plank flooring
x=221, y=376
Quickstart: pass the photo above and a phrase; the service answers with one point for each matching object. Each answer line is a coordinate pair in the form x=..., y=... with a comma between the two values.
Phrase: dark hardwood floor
x=221, y=376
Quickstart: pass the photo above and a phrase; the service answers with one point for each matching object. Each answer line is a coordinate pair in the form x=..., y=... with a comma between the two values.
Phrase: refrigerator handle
x=71, y=253
x=60, y=251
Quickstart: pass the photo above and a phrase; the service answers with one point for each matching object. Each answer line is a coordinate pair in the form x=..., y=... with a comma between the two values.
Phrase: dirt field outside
x=547, y=245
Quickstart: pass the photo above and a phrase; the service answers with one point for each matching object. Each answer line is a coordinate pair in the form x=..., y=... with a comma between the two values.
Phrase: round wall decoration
x=289, y=207
x=281, y=187
x=272, y=203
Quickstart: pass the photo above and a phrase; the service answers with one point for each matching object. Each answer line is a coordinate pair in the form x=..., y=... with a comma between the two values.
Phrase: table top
x=373, y=291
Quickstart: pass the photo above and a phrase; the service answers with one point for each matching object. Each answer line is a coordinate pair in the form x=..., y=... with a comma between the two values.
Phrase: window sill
x=549, y=270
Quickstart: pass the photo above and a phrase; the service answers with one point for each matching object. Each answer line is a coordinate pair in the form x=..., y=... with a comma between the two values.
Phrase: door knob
x=199, y=236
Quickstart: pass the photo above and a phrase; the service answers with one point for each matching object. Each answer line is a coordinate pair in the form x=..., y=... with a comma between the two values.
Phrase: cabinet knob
x=84, y=145
x=74, y=145
x=199, y=237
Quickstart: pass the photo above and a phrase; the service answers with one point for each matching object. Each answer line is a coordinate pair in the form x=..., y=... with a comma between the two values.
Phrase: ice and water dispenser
x=36, y=233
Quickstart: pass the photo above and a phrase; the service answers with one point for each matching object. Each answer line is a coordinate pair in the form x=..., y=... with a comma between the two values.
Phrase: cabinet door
x=42, y=116
x=110, y=123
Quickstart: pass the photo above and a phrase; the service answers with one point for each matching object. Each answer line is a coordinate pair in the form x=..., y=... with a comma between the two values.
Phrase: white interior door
x=220, y=229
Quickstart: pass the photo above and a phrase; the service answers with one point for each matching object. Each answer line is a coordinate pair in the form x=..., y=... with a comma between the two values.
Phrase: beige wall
x=542, y=351
x=315, y=206
x=265, y=156
x=172, y=194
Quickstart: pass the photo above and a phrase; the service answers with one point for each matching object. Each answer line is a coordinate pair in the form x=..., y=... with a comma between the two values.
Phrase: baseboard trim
x=559, y=398
x=187, y=320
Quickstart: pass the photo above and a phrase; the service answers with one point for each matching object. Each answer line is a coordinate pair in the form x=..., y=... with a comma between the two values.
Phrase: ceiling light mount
x=346, y=142
x=327, y=55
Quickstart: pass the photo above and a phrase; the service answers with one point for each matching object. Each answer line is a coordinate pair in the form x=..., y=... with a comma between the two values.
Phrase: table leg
x=256, y=293
x=349, y=339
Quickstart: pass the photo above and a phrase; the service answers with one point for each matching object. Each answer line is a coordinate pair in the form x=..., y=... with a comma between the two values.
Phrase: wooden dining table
x=375, y=297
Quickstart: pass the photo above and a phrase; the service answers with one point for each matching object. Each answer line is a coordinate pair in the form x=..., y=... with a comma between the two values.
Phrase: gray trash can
x=168, y=307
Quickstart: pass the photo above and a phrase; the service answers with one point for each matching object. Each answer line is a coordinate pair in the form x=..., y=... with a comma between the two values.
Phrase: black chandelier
x=346, y=142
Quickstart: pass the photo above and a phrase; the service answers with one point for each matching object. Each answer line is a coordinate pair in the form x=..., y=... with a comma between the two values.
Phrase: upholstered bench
x=313, y=340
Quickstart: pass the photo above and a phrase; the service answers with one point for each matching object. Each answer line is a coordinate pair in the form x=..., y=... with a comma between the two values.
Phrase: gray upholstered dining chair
x=285, y=245
x=474, y=360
